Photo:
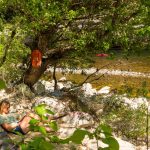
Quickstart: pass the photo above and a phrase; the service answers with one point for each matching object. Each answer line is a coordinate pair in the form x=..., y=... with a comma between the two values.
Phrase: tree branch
x=54, y=77
x=88, y=77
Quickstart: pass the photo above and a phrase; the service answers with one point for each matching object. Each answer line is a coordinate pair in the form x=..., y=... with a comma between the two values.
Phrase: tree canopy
x=69, y=31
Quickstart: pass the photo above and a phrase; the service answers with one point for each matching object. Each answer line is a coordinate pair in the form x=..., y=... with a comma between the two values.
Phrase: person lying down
x=11, y=124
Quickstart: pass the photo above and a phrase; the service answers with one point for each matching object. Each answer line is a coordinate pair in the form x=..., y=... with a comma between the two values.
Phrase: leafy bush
x=125, y=120
x=2, y=84
x=47, y=141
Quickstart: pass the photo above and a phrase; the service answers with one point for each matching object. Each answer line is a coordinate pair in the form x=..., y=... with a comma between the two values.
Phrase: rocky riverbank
x=22, y=100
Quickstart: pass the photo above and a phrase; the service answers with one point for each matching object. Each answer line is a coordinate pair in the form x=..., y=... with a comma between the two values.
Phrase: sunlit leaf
x=112, y=142
x=42, y=130
x=40, y=109
x=49, y=111
x=53, y=125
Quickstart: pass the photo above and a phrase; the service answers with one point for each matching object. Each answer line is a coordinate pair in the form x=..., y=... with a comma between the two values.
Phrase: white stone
x=89, y=70
x=54, y=104
x=60, y=85
x=78, y=119
x=134, y=103
x=49, y=86
x=63, y=79
x=101, y=71
x=4, y=95
x=65, y=132
x=104, y=90
x=88, y=90
x=124, y=145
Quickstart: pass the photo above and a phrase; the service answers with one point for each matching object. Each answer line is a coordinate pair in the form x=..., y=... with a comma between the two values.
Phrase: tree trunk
x=32, y=75
x=42, y=43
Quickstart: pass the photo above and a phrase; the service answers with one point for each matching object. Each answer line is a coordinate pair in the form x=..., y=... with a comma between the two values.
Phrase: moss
x=118, y=83
x=137, y=64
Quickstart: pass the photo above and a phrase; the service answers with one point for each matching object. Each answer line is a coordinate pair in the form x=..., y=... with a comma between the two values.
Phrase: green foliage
x=53, y=125
x=89, y=27
x=77, y=137
x=47, y=141
x=41, y=110
x=113, y=144
x=123, y=119
x=108, y=138
x=2, y=84
x=37, y=143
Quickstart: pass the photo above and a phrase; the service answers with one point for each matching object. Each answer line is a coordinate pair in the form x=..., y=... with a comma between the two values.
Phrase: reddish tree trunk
x=32, y=75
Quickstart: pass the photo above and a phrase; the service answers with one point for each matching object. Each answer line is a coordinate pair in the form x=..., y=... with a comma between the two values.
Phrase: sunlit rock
x=134, y=103
x=49, y=86
x=77, y=119
x=54, y=104
x=25, y=90
x=3, y=93
x=89, y=71
x=124, y=145
x=88, y=90
x=65, y=132
x=104, y=90
x=63, y=79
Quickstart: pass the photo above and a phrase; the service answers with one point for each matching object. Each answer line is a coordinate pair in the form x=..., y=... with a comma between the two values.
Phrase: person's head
x=4, y=107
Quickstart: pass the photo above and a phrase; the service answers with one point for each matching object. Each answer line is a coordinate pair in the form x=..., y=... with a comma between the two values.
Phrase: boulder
x=88, y=90
x=25, y=91
x=39, y=88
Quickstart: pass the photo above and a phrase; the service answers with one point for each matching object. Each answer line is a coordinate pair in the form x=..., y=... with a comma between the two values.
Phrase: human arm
x=9, y=127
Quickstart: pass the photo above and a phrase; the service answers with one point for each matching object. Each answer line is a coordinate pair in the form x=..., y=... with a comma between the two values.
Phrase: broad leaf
x=40, y=109
x=49, y=111
x=45, y=145
x=112, y=142
x=106, y=129
x=53, y=125
x=77, y=137
x=42, y=130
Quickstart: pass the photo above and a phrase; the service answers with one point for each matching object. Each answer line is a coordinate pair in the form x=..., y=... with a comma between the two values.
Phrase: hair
x=3, y=104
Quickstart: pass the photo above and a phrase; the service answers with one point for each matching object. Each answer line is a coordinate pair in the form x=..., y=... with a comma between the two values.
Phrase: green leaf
x=53, y=125
x=42, y=130
x=40, y=109
x=112, y=142
x=55, y=139
x=2, y=84
x=71, y=14
x=44, y=117
x=35, y=143
x=34, y=125
x=45, y=145
x=34, y=128
x=23, y=147
x=33, y=121
x=106, y=129
x=49, y=111
x=78, y=136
